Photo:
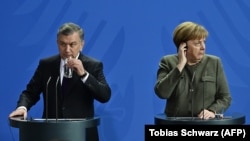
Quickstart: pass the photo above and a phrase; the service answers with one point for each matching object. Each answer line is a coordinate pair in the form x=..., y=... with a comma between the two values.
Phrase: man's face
x=70, y=45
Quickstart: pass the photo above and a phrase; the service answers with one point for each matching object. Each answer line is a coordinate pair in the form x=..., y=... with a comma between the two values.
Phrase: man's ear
x=82, y=45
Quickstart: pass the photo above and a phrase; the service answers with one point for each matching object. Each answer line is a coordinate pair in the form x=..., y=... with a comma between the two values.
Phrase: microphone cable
x=11, y=133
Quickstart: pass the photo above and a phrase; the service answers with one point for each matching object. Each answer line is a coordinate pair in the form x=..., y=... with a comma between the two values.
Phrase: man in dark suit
x=76, y=98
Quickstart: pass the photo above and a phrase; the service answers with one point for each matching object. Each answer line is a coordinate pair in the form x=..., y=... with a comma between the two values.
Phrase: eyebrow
x=201, y=40
x=65, y=42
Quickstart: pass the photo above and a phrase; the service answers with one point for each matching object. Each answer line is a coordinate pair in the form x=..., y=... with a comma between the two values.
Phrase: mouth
x=68, y=55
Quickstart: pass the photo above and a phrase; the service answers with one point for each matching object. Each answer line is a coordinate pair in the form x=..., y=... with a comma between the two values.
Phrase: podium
x=235, y=119
x=53, y=129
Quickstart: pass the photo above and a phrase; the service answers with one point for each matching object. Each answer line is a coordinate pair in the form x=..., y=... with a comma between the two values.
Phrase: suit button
x=63, y=108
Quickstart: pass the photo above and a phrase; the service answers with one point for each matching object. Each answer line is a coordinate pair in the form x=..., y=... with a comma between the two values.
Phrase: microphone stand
x=192, y=95
x=57, y=98
x=203, y=99
x=47, y=84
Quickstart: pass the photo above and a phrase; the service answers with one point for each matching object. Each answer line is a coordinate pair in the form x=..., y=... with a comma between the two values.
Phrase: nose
x=203, y=45
x=67, y=48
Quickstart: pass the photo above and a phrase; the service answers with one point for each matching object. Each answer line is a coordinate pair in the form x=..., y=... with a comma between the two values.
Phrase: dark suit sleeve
x=31, y=94
x=97, y=83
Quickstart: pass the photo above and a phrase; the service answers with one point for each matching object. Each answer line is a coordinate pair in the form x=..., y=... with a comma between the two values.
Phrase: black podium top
x=54, y=129
x=236, y=119
x=18, y=122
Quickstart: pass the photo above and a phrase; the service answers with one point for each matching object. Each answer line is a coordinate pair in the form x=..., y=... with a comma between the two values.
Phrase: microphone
x=47, y=95
x=182, y=76
x=57, y=98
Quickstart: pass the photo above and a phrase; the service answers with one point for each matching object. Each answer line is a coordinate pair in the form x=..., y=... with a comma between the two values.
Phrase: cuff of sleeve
x=22, y=107
x=85, y=76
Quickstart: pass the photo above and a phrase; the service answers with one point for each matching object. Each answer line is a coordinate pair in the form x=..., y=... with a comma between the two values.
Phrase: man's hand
x=77, y=66
x=19, y=112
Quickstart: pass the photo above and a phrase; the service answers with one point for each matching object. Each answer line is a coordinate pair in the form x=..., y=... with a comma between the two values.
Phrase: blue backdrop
x=130, y=37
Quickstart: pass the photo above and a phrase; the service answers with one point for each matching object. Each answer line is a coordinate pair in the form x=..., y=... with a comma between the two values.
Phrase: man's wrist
x=84, y=74
x=22, y=108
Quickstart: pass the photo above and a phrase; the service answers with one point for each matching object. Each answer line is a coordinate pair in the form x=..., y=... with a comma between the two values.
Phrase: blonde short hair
x=188, y=31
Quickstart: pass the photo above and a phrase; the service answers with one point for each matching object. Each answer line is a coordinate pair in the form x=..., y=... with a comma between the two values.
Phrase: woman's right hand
x=182, y=56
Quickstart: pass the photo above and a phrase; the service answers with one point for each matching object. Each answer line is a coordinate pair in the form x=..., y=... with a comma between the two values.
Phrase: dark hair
x=188, y=31
x=70, y=28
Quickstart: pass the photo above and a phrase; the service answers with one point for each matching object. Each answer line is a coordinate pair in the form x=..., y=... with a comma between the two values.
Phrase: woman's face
x=195, y=50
